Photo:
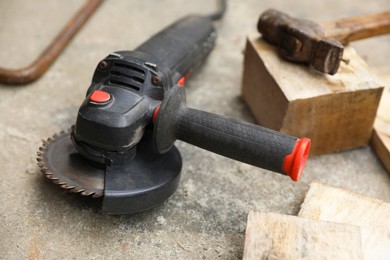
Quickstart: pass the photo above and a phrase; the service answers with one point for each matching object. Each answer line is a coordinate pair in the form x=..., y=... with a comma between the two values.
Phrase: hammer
x=320, y=46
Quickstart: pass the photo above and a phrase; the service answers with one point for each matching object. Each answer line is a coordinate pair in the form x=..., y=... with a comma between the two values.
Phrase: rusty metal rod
x=46, y=58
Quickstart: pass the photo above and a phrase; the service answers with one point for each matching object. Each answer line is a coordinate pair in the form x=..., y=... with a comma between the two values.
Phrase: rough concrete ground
x=206, y=217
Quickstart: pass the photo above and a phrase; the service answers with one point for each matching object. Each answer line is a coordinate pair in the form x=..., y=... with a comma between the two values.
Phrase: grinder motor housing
x=136, y=82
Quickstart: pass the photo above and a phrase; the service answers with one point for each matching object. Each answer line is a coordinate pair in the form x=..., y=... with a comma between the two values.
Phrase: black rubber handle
x=242, y=141
x=235, y=139
x=183, y=45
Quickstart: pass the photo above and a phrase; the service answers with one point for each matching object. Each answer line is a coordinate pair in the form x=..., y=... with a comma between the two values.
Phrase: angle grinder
x=121, y=147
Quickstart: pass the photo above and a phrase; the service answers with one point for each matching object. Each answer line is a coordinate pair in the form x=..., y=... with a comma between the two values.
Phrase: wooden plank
x=336, y=112
x=276, y=236
x=327, y=203
x=381, y=137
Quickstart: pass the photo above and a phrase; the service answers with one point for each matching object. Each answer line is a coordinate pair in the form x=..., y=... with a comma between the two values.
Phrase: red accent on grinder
x=181, y=81
x=155, y=113
x=294, y=162
x=99, y=96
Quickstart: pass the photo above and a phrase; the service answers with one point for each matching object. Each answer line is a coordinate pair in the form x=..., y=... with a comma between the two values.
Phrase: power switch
x=99, y=97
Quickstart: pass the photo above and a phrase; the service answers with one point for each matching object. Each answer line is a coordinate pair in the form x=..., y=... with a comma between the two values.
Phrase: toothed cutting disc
x=64, y=166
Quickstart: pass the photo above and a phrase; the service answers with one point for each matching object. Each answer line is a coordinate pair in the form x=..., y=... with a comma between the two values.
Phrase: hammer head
x=301, y=41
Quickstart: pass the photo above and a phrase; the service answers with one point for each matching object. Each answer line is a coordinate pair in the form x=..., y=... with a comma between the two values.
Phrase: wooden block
x=381, y=137
x=276, y=236
x=336, y=112
x=326, y=203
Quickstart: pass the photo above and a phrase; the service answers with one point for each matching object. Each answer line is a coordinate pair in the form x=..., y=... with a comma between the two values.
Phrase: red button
x=99, y=96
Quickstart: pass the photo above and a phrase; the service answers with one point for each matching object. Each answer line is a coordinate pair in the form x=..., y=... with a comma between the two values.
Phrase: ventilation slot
x=127, y=75
x=129, y=67
x=121, y=74
x=124, y=84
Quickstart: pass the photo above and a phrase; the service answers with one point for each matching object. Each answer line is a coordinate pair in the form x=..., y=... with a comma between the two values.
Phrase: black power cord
x=220, y=12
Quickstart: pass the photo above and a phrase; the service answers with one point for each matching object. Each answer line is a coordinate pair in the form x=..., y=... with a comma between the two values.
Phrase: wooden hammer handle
x=358, y=27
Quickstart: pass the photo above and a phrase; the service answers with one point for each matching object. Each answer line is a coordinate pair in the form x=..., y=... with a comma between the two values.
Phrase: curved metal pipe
x=52, y=51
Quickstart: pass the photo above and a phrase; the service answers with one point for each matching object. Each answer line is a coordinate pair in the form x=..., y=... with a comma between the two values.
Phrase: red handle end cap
x=295, y=162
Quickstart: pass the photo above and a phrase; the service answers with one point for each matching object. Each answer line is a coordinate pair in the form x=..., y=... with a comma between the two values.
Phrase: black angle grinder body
x=121, y=147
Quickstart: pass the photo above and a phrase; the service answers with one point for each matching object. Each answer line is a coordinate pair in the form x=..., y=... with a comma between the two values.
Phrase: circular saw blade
x=64, y=166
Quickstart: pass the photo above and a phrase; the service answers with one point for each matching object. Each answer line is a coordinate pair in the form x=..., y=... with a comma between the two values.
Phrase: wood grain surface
x=336, y=112
x=358, y=27
x=276, y=236
x=327, y=203
x=381, y=137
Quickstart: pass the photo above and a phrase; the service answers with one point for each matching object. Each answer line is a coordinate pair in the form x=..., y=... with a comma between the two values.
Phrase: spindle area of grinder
x=134, y=181
x=109, y=152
